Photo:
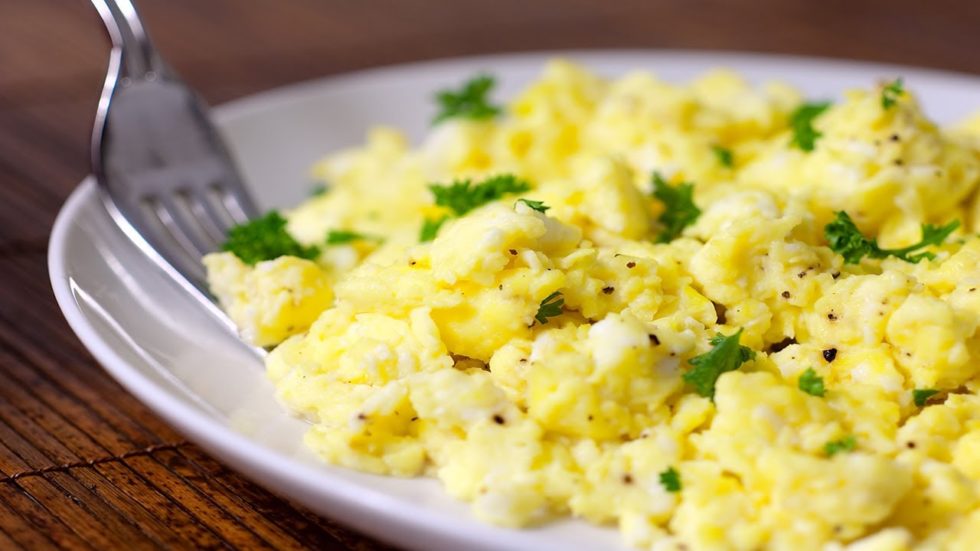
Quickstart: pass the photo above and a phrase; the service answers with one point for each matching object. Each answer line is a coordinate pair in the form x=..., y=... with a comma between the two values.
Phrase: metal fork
x=166, y=177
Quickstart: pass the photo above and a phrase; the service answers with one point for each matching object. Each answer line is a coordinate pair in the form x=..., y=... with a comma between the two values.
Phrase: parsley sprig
x=891, y=92
x=468, y=102
x=724, y=156
x=265, y=238
x=846, y=239
x=670, y=479
x=801, y=121
x=462, y=196
x=811, y=383
x=834, y=447
x=430, y=228
x=534, y=205
x=725, y=355
x=679, y=208
x=343, y=237
x=550, y=307
x=921, y=395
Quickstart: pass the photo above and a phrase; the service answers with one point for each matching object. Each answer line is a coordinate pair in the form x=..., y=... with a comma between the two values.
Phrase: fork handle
x=139, y=58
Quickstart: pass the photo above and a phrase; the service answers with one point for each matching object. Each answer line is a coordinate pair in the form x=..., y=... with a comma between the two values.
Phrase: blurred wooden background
x=82, y=464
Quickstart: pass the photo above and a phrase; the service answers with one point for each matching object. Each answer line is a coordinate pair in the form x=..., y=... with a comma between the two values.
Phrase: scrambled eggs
x=852, y=418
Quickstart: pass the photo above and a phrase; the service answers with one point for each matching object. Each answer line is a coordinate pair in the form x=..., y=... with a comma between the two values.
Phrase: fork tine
x=238, y=205
x=210, y=220
x=182, y=227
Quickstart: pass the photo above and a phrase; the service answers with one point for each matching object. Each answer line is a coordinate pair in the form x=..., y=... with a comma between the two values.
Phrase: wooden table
x=83, y=464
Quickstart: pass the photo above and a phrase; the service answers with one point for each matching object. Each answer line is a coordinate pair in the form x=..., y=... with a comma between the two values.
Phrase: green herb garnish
x=265, y=238
x=679, y=208
x=468, y=102
x=550, y=307
x=671, y=480
x=846, y=239
x=846, y=444
x=430, y=228
x=536, y=205
x=318, y=190
x=342, y=237
x=811, y=383
x=462, y=196
x=891, y=92
x=801, y=121
x=726, y=355
x=921, y=395
x=724, y=156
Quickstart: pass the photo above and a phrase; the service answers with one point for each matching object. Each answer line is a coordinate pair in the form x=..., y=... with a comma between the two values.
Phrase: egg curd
x=854, y=421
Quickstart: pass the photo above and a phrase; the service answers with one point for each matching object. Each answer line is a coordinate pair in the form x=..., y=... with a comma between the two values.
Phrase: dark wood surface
x=83, y=464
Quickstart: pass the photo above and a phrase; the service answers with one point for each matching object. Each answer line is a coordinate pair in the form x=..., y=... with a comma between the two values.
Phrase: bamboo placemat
x=83, y=465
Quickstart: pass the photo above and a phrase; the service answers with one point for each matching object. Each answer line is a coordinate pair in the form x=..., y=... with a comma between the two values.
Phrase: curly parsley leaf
x=801, y=121
x=462, y=196
x=536, y=205
x=679, y=208
x=468, y=102
x=550, y=307
x=726, y=355
x=891, y=92
x=430, y=228
x=811, y=383
x=265, y=238
x=724, y=155
x=834, y=447
x=921, y=395
x=846, y=239
x=670, y=479
x=343, y=237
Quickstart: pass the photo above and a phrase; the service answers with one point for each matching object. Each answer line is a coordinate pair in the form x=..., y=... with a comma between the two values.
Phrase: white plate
x=172, y=356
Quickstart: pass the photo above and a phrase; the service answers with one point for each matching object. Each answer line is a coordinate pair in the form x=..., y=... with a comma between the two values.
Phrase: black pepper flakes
x=830, y=354
x=899, y=162
x=895, y=137
x=412, y=262
x=654, y=339
x=781, y=345
x=631, y=265
x=832, y=316
x=513, y=252
x=608, y=290
x=910, y=445
x=627, y=478
x=497, y=418
x=720, y=313
x=785, y=294
x=801, y=275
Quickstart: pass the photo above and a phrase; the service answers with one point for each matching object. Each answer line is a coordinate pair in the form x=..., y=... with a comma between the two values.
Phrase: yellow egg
x=547, y=352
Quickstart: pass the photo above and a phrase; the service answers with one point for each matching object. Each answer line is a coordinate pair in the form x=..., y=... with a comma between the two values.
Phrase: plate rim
x=358, y=506
x=240, y=106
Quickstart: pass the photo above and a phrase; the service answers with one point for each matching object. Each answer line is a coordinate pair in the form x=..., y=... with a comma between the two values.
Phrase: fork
x=165, y=176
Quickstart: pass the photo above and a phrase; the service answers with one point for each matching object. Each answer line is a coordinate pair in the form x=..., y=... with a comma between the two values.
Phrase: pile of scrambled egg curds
x=713, y=314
